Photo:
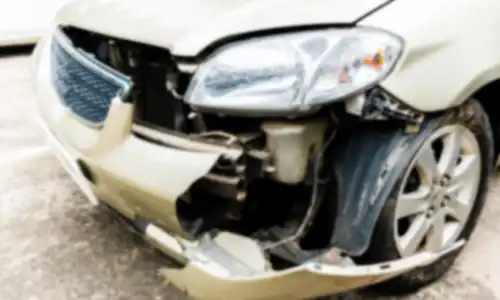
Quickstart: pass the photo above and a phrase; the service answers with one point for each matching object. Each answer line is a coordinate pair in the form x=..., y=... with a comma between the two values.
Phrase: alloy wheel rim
x=438, y=191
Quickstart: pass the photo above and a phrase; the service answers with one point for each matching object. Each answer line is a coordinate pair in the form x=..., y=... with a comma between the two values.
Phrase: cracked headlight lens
x=293, y=72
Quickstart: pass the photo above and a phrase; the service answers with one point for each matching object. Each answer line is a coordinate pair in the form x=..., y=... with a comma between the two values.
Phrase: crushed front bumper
x=142, y=181
x=232, y=267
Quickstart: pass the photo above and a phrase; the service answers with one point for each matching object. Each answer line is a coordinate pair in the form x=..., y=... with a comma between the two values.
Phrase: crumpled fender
x=367, y=165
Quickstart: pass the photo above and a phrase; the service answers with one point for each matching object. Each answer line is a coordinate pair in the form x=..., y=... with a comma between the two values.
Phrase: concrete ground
x=55, y=246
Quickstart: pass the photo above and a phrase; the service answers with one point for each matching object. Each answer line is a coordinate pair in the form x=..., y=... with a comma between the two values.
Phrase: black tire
x=383, y=247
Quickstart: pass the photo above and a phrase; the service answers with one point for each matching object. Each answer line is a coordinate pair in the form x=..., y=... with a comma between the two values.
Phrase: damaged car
x=280, y=149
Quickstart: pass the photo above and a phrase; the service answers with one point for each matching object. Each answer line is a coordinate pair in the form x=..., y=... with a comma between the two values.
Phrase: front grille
x=85, y=85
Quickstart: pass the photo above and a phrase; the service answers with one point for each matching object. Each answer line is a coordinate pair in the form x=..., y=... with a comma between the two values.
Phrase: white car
x=280, y=149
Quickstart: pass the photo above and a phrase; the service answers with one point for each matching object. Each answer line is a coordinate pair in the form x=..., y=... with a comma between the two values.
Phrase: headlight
x=293, y=72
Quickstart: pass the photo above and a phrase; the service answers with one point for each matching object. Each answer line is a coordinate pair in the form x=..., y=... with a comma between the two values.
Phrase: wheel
x=438, y=200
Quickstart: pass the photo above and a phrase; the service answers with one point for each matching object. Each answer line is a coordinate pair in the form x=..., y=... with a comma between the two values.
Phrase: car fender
x=366, y=167
x=450, y=50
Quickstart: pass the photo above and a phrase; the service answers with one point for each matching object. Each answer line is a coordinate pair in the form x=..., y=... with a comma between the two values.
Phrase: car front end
x=218, y=148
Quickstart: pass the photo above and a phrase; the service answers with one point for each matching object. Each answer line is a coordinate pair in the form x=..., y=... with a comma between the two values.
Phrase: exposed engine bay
x=276, y=185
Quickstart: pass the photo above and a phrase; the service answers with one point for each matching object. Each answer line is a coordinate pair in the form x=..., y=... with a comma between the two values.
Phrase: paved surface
x=19, y=25
x=55, y=246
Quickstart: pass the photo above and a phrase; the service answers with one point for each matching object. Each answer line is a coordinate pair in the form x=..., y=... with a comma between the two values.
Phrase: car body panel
x=312, y=279
x=130, y=172
x=186, y=27
x=451, y=50
x=426, y=77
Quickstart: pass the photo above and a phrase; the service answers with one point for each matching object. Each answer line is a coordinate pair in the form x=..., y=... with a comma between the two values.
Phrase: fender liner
x=366, y=167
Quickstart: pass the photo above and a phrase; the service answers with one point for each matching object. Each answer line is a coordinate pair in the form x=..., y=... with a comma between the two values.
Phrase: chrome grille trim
x=85, y=85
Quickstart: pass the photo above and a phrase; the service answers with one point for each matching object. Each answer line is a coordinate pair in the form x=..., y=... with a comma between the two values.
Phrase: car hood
x=186, y=27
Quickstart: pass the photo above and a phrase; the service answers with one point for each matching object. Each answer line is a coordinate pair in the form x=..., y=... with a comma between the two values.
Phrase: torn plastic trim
x=209, y=279
x=186, y=143
x=366, y=167
x=208, y=263
x=135, y=194
x=379, y=104
x=235, y=269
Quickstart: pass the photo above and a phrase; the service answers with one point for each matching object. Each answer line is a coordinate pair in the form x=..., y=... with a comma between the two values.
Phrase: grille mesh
x=83, y=84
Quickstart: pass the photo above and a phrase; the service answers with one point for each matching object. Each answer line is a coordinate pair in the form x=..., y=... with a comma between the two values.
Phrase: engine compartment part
x=378, y=104
x=317, y=195
x=291, y=145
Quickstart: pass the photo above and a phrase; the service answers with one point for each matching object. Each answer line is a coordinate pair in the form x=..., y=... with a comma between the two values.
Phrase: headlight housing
x=293, y=72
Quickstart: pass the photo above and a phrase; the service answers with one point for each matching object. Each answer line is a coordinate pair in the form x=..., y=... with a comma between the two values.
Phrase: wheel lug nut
x=445, y=180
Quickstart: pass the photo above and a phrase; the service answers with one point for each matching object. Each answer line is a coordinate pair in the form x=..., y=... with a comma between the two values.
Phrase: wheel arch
x=489, y=97
x=366, y=167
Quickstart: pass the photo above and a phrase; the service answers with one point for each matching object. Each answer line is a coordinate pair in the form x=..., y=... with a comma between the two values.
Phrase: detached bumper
x=205, y=279
x=231, y=267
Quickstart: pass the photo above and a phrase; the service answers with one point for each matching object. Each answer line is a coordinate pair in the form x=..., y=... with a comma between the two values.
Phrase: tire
x=384, y=245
